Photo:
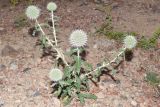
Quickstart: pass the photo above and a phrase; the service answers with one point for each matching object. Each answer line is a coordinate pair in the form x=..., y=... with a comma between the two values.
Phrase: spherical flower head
x=130, y=42
x=51, y=6
x=33, y=12
x=55, y=74
x=78, y=38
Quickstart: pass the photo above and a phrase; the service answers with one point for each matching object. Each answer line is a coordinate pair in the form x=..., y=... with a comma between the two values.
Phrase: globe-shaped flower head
x=33, y=12
x=56, y=74
x=130, y=42
x=51, y=6
x=78, y=38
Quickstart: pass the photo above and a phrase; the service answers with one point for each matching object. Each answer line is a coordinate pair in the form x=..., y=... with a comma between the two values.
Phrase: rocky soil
x=24, y=78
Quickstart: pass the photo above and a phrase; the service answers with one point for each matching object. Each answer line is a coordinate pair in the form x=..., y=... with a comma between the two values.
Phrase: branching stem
x=105, y=65
x=59, y=53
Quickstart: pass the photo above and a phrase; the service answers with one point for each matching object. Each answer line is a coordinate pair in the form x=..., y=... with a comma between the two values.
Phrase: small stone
x=134, y=103
x=26, y=70
x=1, y=29
x=13, y=66
x=112, y=85
x=95, y=46
x=36, y=93
x=2, y=67
x=1, y=103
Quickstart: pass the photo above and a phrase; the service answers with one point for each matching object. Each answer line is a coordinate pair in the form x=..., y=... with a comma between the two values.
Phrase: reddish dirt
x=24, y=80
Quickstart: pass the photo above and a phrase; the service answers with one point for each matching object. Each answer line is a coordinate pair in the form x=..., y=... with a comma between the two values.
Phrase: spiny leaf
x=81, y=98
x=68, y=72
x=78, y=84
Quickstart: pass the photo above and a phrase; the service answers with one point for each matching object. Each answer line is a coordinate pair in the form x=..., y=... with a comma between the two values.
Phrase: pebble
x=1, y=29
x=1, y=103
x=33, y=93
x=13, y=66
x=112, y=85
x=2, y=67
x=26, y=70
x=134, y=103
x=36, y=93
x=95, y=46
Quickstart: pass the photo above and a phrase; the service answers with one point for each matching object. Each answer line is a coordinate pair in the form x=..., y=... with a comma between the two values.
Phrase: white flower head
x=33, y=12
x=78, y=38
x=51, y=6
x=130, y=41
x=55, y=74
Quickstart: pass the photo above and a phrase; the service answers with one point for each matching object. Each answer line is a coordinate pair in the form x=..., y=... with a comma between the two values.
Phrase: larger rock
x=9, y=51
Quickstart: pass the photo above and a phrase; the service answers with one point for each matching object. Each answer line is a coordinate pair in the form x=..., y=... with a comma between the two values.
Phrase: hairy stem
x=40, y=27
x=59, y=53
x=78, y=53
x=53, y=27
x=105, y=65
